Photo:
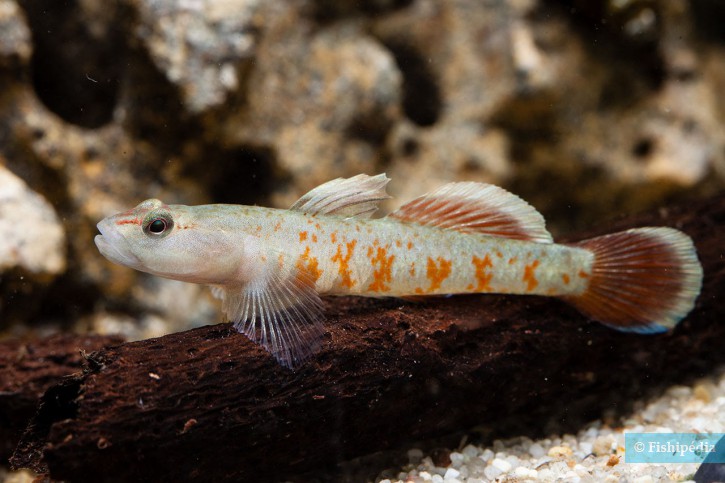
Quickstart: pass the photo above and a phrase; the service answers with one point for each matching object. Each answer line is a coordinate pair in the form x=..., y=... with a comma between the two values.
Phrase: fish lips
x=114, y=246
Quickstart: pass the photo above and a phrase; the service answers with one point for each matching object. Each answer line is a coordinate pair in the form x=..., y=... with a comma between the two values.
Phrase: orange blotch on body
x=382, y=269
x=483, y=276
x=583, y=274
x=303, y=236
x=343, y=262
x=530, y=276
x=565, y=278
x=309, y=264
x=437, y=271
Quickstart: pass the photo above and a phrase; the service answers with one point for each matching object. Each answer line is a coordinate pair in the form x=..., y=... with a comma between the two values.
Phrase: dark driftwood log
x=208, y=403
x=27, y=369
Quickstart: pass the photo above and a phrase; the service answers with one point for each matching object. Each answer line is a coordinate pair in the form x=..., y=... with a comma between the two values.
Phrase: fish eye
x=158, y=225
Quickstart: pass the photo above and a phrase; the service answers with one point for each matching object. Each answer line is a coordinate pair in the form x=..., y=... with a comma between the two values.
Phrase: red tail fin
x=643, y=280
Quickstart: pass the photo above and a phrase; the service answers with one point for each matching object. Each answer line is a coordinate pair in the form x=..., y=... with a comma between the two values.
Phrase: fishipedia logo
x=674, y=447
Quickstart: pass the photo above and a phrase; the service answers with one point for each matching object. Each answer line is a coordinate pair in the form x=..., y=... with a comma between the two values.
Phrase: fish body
x=387, y=257
x=269, y=266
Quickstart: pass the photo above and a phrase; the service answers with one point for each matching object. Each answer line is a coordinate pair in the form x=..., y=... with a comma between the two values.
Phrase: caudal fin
x=643, y=280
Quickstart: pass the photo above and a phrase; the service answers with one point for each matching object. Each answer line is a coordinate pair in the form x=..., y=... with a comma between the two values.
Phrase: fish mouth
x=114, y=246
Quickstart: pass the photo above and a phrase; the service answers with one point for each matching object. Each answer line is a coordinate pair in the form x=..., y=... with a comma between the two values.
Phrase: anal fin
x=281, y=312
x=476, y=208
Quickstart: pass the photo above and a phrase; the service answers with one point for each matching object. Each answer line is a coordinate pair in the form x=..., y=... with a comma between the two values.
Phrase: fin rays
x=476, y=208
x=644, y=280
x=358, y=196
x=283, y=314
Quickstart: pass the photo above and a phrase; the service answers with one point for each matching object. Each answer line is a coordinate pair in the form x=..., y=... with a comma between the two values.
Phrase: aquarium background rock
x=585, y=109
x=38, y=247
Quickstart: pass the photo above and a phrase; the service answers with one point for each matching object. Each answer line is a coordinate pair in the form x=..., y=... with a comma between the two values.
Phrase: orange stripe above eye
x=133, y=221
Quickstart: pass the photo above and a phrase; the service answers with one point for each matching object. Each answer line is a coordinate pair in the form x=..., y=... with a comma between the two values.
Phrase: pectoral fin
x=281, y=311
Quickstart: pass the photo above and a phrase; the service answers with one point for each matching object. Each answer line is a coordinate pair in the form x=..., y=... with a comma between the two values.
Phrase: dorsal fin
x=477, y=208
x=358, y=196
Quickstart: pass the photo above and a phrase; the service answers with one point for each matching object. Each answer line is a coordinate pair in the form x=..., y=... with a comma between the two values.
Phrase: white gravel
x=595, y=454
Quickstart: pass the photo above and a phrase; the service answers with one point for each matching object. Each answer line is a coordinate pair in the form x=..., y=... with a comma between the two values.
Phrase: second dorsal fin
x=358, y=196
x=477, y=208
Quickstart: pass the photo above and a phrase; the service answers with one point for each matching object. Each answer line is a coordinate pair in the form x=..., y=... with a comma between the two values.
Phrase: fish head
x=166, y=240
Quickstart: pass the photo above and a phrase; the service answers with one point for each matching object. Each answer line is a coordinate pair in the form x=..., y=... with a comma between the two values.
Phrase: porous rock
x=14, y=34
x=200, y=46
x=339, y=93
x=31, y=235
